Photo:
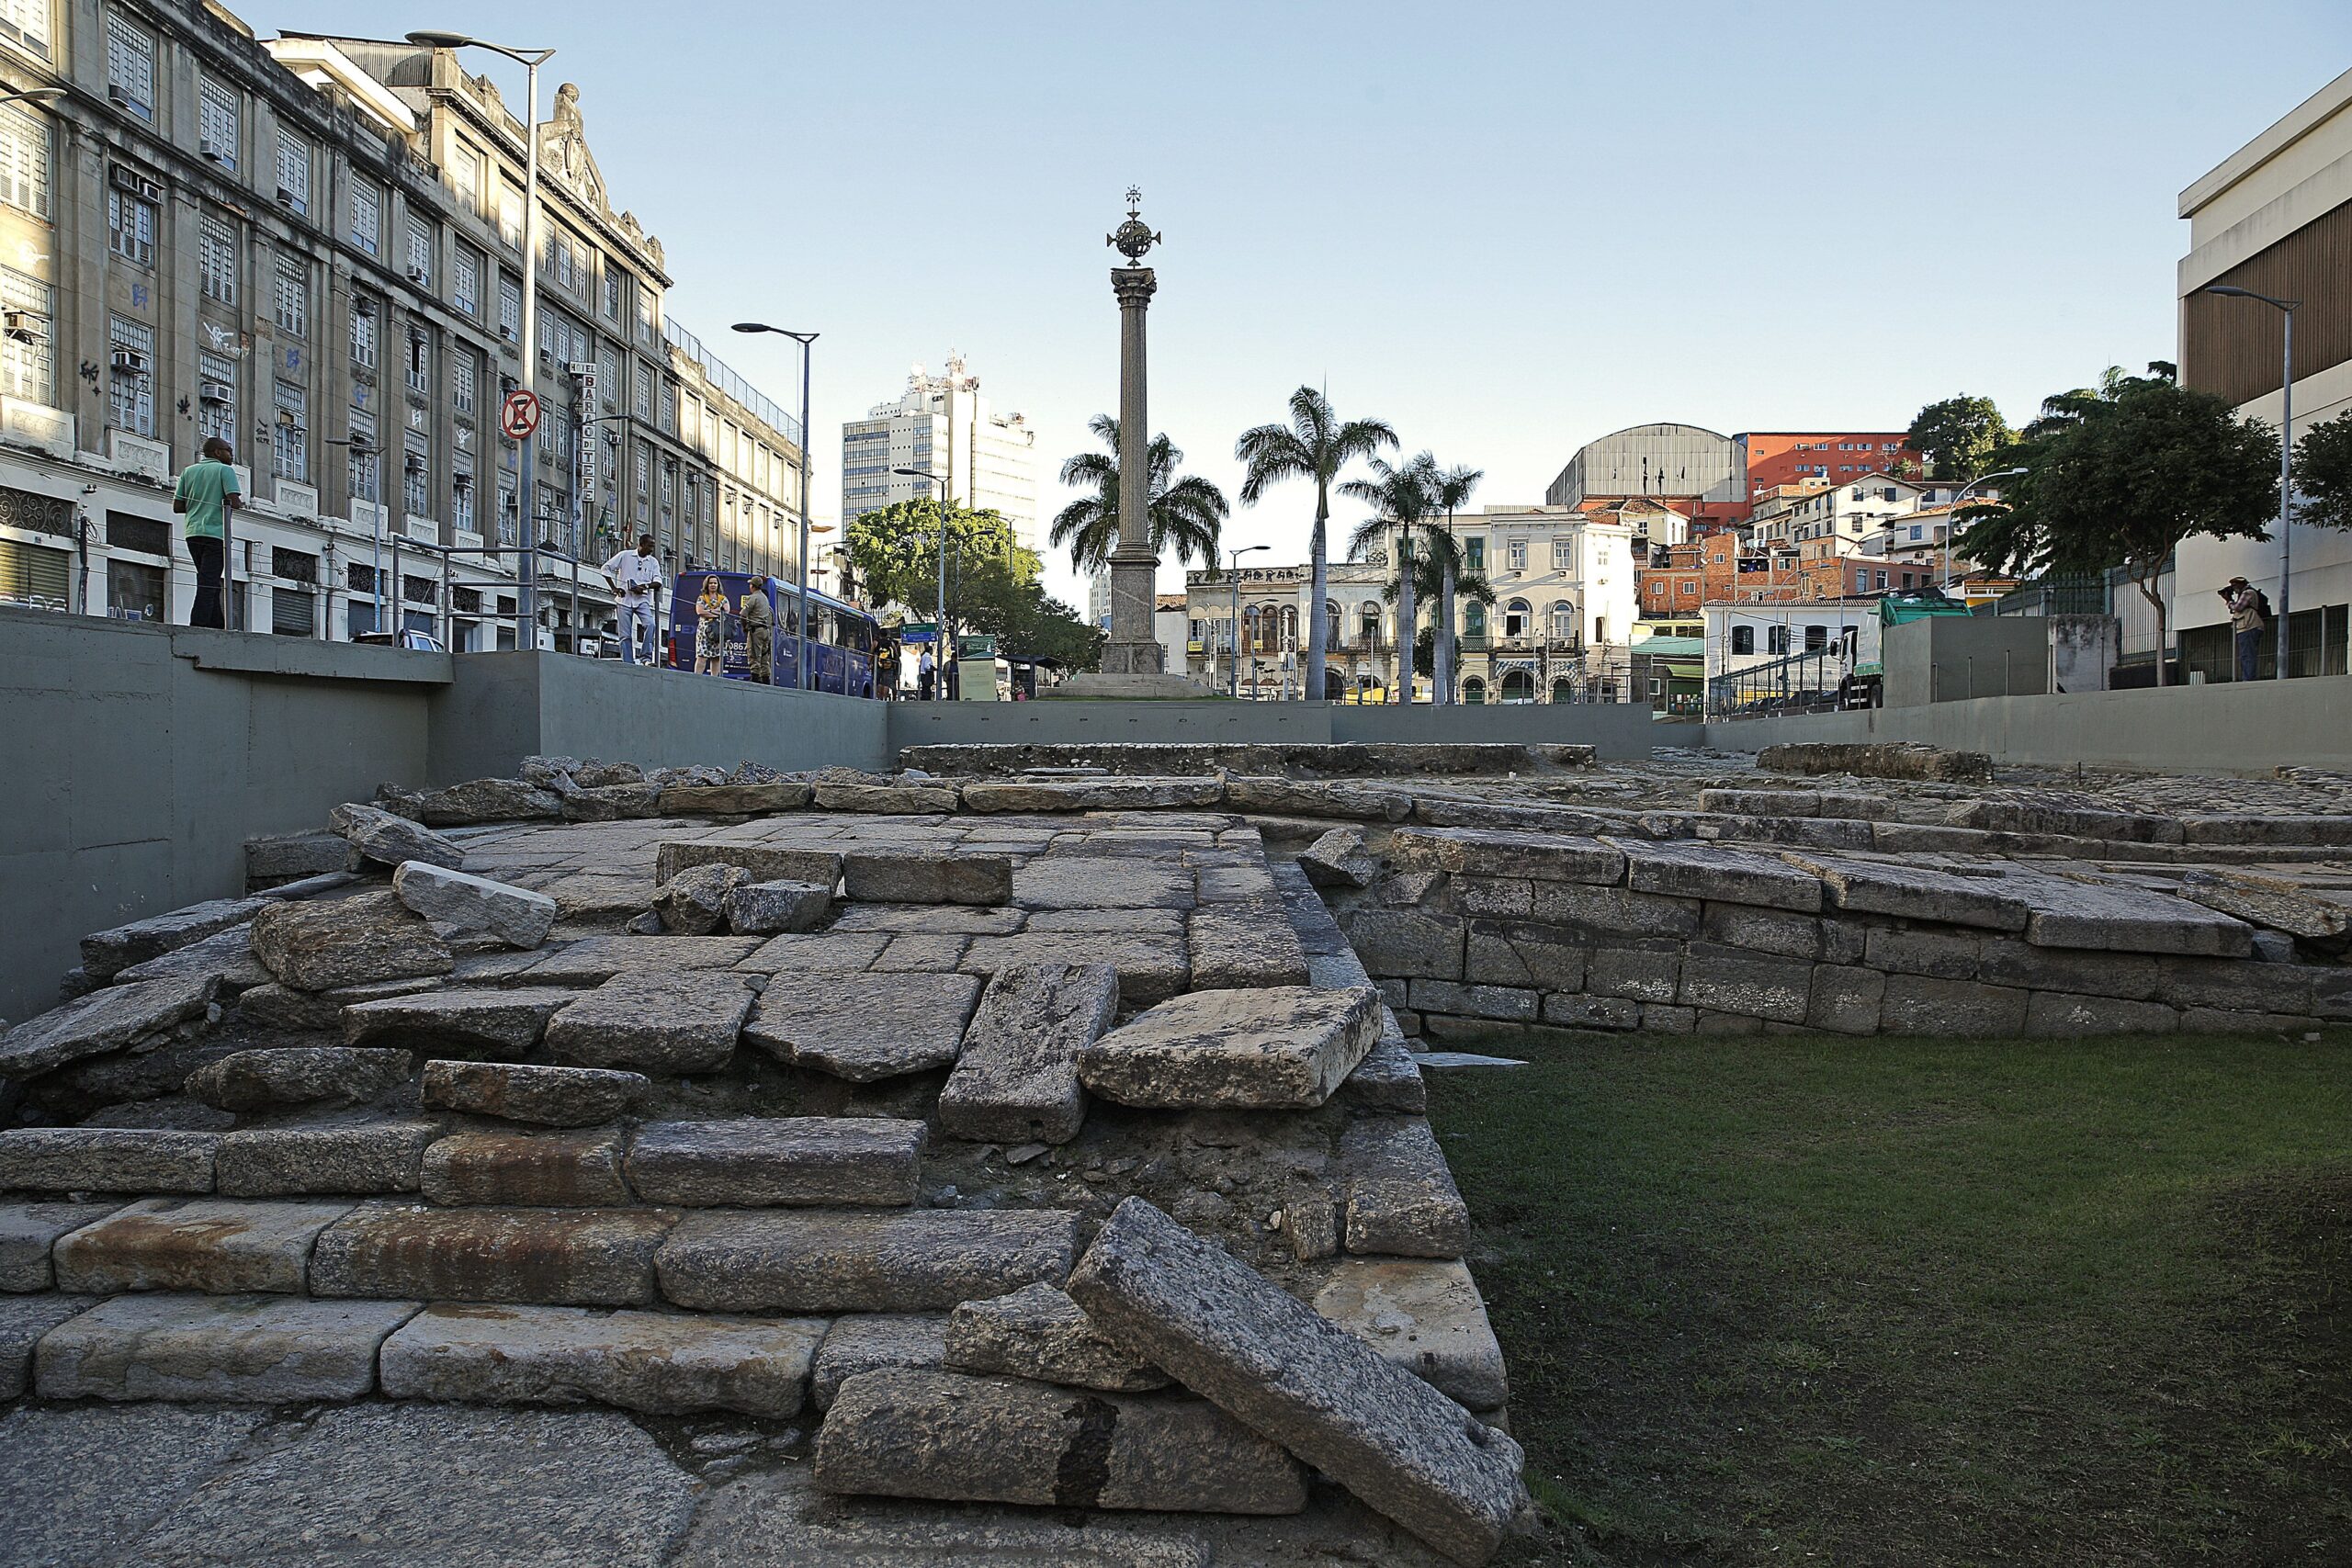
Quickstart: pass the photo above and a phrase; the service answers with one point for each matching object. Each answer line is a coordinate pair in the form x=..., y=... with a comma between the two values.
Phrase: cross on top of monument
x=1135, y=237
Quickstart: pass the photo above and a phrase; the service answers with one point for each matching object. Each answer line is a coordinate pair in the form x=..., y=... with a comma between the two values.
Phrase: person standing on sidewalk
x=206, y=495
x=634, y=575
x=2249, y=615
x=759, y=630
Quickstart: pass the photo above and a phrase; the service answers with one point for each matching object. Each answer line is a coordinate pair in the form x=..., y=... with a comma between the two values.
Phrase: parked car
x=414, y=641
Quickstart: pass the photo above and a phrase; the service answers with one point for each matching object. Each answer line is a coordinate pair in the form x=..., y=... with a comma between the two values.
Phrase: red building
x=1780, y=456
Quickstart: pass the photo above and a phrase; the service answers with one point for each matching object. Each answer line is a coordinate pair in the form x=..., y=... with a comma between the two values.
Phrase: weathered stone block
x=364, y=1158
x=798, y=953
x=349, y=942
x=1735, y=980
x=1236, y=946
x=552, y=1097
x=796, y=1160
x=1402, y=944
x=672, y=1023
x=936, y=876
x=24, y=1322
x=1473, y=1001
x=104, y=953
x=2056, y=1012
x=1042, y=1334
x=487, y=800
x=1226, y=1332
x=733, y=800
x=762, y=908
x=1387, y=1079
x=28, y=1231
x=1151, y=966
x=1400, y=1197
x=253, y=1349
x=298, y=1075
x=2117, y=916
x=1648, y=972
x=957, y=1438
x=1284, y=1047
x=2006, y=961
x=1102, y=882
x=1917, y=1004
x=1541, y=857
x=612, y=802
x=1592, y=1013
x=926, y=919
x=1338, y=859
x=106, y=1159
x=469, y=1022
x=273, y=1006
x=888, y=800
x=922, y=1259
x=661, y=1364
x=110, y=1018
x=694, y=901
x=1425, y=1316
x=865, y=1342
x=549, y=1170
x=272, y=859
x=215, y=1244
x=226, y=955
x=1095, y=794
x=389, y=840
x=1017, y=1079
x=1942, y=955
x=1846, y=998
x=866, y=1027
x=516, y=916
x=1765, y=931
x=766, y=863
x=1614, y=913
x=1877, y=759
x=1316, y=797
x=1733, y=876
x=545, y=1257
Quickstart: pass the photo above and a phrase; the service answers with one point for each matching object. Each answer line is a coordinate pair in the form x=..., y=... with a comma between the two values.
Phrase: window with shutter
x=25, y=355
x=218, y=123
x=294, y=171
x=293, y=611
x=131, y=63
x=23, y=161
x=25, y=23
x=35, y=575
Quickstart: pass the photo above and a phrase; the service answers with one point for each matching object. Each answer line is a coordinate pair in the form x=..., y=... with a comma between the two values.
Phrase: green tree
x=1958, y=436
x=1187, y=513
x=1314, y=446
x=1429, y=574
x=1450, y=489
x=895, y=552
x=1030, y=623
x=1400, y=502
x=2323, y=473
x=2119, y=475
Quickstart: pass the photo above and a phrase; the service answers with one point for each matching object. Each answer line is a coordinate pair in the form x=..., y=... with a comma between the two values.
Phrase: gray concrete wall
x=2226, y=728
x=1618, y=729
x=1951, y=659
x=139, y=758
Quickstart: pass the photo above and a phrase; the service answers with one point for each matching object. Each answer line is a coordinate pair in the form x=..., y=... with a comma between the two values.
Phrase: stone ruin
x=1019, y=1140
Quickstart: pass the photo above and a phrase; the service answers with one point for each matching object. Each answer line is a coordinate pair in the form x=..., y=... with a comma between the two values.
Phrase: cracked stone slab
x=661, y=1363
x=865, y=1027
x=226, y=955
x=516, y=916
x=1688, y=869
x=242, y=1349
x=1915, y=892
x=1017, y=1079
x=916, y=1260
x=672, y=1023
x=594, y=960
x=2118, y=917
x=1284, y=1047
x=485, y=1021
x=215, y=1244
x=110, y=1018
x=106, y=952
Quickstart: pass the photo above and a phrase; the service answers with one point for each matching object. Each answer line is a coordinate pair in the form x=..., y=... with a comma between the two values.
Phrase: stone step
x=24, y=1321
x=792, y=1160
x=219, y=1246
x=28, y=1232
x=920, y=1260
x=367, y=1158
x=106, y=1159
x=1016, y=1078
x=535, y=1256
x=259, y=1350
x=1280, y=1047
x=1400, y=1197
x=528, y=1170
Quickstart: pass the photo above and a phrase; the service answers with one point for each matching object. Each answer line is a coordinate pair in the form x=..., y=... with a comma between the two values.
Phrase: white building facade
x=943, y=427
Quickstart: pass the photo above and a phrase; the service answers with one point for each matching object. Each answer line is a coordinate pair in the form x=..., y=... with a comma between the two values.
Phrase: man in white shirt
x=635, y=574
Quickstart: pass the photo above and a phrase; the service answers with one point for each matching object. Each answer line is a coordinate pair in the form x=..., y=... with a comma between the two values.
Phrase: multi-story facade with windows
x=310, y=247
x=943, y=427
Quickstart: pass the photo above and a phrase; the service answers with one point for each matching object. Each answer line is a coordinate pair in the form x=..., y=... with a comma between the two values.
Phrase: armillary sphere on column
x=1135, y=237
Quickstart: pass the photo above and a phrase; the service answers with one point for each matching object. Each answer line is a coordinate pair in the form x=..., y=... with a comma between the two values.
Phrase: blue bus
x=841, y=635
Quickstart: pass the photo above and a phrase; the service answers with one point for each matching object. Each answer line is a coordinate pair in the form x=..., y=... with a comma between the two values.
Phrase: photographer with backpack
x=2249, y=617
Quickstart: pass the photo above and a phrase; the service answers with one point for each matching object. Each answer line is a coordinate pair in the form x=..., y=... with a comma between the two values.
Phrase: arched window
x=1776, y=639
x=1331, y=622
x=1474, y=620
x=1290, y=625
x=1249, y=642
x=1563, y=689
x=1743, y=639
x=1517, y=614
x=1368, y=622
x=1519, y=687
x=1563, y=619
x=1473, y=691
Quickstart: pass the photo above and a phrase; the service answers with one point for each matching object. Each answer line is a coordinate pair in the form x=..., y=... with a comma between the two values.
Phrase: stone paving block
x=1016, y=1081
x=1913, y=892
x=248, y=1349
x=24, y=1322
x=1226, y=1332
x=362, y=1157
x=489, y=1021
x=927, y=920
x=226, y=955
x=865, y=1027
x=1236, y=946
x=2118, y=916
x=672, y=1023
x=1732, y=876
x=1541, y=857
x=1402, y=943
x=794, y=952
x=542, y=1257
x=784, y=1160
x=693, y=902
x=1917, y=1004
x=865, y=1342
x=2056, y=1012
x=765, y=862
x=734, y=800
x=1280, y=1047
x=661, y=1364
x=106, y=1159
x=1614, y=913
x=1473, y=1001
x=1093, y=881
x=1425, y=1316
x=934, y=876
x=1094, y=795
x=1400, y=1198
x=1525, y=953
x=933, y=955
x=958, y=1438
x=1571, y=1011
x=1318, y=798
x=104, y=953
x=1944, y=955
x=915, y=1260
x=274, y=1006
x=271, y=1076
x=28, y=1231
x=570, y=1170
x=1733, y=979
x=1041, y=1334
x=1246, y=881
x=553, y=1097
x=1845, y=999
x=215, y=1244
x=110, y=1018
x=516, y=916
x=1110, y=922
x=1151, y=967
x=2008, y=962
x=888, y=800
x=347, y=941
x=764, y=908
x=1646, y=970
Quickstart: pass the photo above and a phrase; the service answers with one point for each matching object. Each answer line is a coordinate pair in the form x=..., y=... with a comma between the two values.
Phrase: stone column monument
x=1134, y=663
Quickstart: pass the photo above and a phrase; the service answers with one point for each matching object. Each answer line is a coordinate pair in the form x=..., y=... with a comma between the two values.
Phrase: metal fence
x=1816, y=681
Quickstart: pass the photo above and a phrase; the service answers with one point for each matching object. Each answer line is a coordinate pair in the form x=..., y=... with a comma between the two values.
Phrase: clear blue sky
x=1507, y=229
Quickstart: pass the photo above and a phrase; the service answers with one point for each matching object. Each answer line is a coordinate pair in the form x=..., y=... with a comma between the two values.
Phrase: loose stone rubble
x=1028, y=1140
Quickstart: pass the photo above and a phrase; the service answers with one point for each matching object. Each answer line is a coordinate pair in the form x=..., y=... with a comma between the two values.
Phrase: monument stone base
x=1141, y=685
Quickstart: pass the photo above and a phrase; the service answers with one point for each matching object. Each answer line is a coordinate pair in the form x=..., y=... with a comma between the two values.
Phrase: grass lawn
x=1923, y=1301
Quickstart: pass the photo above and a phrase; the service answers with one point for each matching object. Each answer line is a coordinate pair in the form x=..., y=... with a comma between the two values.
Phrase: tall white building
x=944, y=427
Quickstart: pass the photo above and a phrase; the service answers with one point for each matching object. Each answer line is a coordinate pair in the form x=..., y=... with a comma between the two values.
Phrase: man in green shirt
x=207, y=494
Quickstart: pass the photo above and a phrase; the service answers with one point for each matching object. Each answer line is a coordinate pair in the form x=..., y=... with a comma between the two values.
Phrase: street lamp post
x=1952, y=516
x=2285, y=308
x=1233, y=650
x=939, y=629
x=806, y=341
x=526, y=592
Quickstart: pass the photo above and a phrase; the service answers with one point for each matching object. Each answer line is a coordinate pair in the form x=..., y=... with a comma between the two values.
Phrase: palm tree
x=1315, y=445
x=1450, y=489
x=1399, y=497
x=1187, y=514
x=1429, y=572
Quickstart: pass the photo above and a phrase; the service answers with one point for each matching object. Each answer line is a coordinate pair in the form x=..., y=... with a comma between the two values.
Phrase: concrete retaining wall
x=2225, y=728
x=1619, y=730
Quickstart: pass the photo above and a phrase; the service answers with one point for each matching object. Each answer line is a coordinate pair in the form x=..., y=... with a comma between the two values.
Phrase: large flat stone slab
x=1266, y=1358
x=2119, y=918
x=733, y=800
x=1400, y=1197
x=865, y=1027
x=249, y=1349
x=1103, y=882
x=1039, y=1332
x=1495, y=851
x=1913, y=892
x=927, y=920
x=964, y=1438
x=28, y=1231
x=541, y=1256
x=112, y=1018
x=765, y=862
x=368, y=1157
x=2320, y=918
x=516, y=916
x=346, y=941
x=803, y=1161
x=865, y=1341
x=104, y=953
x=929, y=876
x=225, y=956
x=1688, y=869
x=1425, y=1316
x=106, y=1159
x=216, y=1245
x=594, y=960
x=1281, y=1048
x=563, y=1170
x=24, y=1321
x=798, y=953
x=548, y=1097
x=661, y=1363
x=1235, y=946
x=1016, y=1081
x=671, y=1023
x=924, y=1259
x=475, y=1022
x=1150, y=963
x=274, y=1076
x=1094, y=795
x=478, y=801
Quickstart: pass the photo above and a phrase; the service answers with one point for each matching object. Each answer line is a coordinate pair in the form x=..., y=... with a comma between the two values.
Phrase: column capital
x=1134, y=285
